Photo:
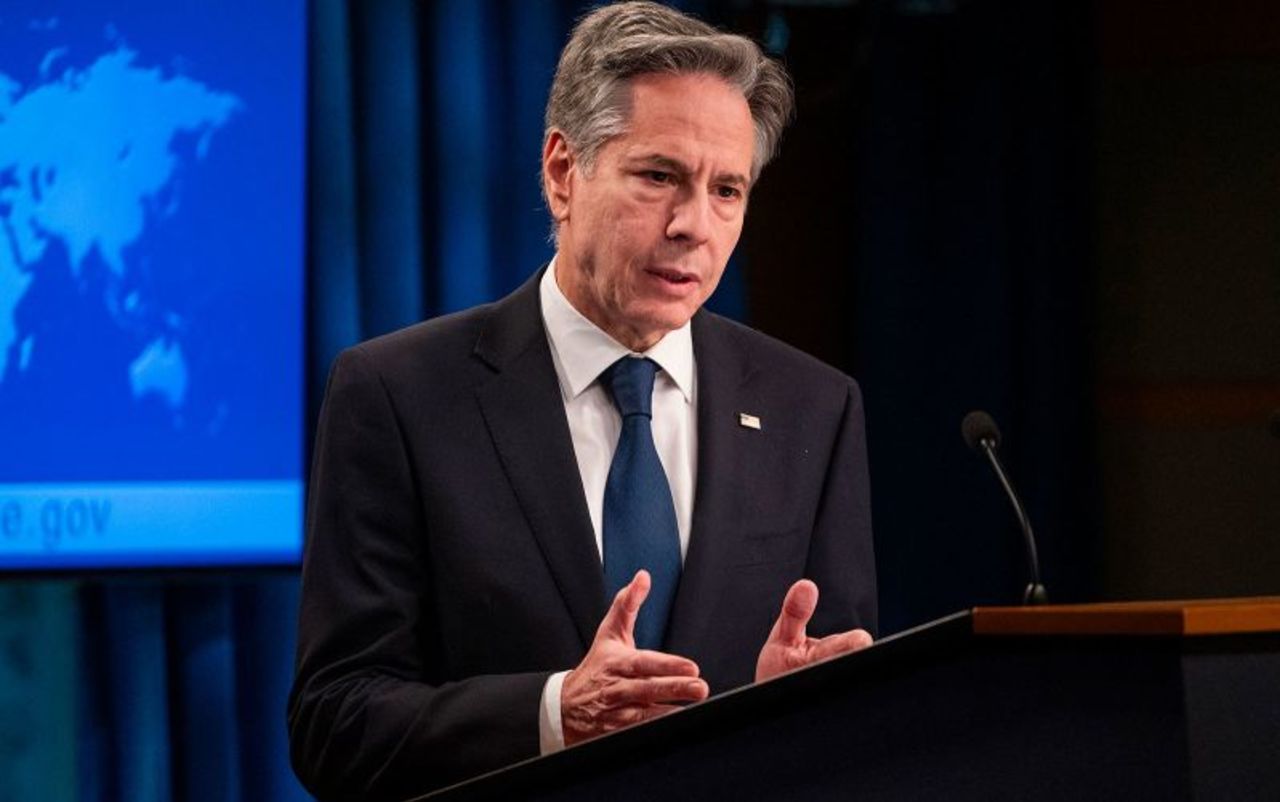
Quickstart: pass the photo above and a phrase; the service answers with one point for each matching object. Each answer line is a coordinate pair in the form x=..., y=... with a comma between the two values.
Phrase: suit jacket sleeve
x=366, y=718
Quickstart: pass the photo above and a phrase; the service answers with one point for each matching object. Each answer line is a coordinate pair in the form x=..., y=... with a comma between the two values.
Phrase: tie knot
x=630, y=382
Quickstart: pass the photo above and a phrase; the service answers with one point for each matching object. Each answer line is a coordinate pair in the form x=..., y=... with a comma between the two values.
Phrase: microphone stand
x=1035, y=592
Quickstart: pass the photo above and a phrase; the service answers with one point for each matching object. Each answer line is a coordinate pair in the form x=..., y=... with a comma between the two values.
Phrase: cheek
x=727, y=237
x=625, y=242
x=722, y=248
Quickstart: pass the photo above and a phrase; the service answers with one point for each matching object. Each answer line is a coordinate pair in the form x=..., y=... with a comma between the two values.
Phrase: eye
x=728, y=192
x=659, y=176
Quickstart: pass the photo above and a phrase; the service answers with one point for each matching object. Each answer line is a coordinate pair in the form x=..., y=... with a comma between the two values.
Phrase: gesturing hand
x=788, y=647
x=616, y=684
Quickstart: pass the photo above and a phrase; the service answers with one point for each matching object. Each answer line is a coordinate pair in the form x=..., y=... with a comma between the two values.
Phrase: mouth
x=672, y=276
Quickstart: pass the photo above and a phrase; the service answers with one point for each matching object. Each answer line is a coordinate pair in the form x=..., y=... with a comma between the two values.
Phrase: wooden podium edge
x=1150, y=618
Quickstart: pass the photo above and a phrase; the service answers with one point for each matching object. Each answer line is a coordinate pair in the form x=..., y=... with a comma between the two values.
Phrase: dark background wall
x=1187, y=289
x=1062, y=212
x=1067, y=214
x=928, y=229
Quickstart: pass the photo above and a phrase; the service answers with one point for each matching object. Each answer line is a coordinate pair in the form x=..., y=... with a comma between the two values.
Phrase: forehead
x=697, y=118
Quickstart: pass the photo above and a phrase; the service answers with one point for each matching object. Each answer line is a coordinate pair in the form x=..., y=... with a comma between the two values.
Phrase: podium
x=1144, y=700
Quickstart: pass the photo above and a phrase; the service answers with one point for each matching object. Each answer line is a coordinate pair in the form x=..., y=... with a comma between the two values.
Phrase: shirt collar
x=582, y=350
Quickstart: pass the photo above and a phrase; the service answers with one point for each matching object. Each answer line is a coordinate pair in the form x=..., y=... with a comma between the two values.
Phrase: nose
x=691, y=217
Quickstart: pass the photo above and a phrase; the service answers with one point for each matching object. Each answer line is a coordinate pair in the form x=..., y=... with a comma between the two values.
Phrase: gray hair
x=591, y=94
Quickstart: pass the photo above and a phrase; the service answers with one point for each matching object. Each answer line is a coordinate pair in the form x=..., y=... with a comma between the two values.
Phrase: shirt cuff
x=550, y=727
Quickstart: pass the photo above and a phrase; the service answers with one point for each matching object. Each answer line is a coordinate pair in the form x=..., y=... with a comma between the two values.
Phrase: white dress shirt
x=581, y=351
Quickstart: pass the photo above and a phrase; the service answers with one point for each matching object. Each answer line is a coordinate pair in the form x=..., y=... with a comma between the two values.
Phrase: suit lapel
x=524, y=412
x=723, y=372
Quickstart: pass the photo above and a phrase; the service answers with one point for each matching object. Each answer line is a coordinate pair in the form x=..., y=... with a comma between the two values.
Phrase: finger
x=620, y=621
x=653, y=690
x=842, y=643
x=653, y=711
x=797, y=609
x=646, y=663
x=636, y=714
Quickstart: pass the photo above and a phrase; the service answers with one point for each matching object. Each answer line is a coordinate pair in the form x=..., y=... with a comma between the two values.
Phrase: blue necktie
x=639, y=515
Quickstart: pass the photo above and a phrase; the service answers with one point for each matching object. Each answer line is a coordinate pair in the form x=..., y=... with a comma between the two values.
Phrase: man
x=591, y=502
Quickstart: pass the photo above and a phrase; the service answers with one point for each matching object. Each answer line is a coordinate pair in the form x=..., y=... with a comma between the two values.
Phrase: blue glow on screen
x=151, y=283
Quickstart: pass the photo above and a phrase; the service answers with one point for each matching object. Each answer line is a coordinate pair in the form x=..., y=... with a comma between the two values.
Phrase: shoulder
x=462, y=346
x=772, y=361
x=422, y=366
x=423, y=347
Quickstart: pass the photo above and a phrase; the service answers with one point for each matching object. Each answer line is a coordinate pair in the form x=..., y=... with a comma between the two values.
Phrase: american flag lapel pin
x=747, y=421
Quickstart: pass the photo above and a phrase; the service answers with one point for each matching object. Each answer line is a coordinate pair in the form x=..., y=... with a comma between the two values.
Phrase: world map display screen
x=151, y=283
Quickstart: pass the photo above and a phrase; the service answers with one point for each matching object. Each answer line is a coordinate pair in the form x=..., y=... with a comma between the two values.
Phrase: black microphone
x=982, y=435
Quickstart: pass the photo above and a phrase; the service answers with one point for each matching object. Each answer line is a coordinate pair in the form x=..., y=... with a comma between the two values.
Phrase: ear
x=558, y=165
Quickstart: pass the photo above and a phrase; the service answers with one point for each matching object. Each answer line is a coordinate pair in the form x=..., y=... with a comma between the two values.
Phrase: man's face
x=644, y=239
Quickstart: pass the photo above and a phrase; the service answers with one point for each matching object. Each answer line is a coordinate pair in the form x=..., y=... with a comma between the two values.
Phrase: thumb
x=620, y=621
x=797, y=609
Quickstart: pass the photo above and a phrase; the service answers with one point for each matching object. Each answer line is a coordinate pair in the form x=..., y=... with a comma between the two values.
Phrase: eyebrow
x=680, y=168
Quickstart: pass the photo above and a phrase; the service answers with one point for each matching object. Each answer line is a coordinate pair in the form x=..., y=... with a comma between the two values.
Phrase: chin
x=666, y=318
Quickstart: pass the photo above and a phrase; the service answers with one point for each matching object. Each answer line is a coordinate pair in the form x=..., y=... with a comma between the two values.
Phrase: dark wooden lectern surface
x=1131, y=700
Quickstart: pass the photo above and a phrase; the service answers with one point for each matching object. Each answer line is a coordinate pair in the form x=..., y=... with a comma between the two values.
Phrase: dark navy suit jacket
x=451, y=566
